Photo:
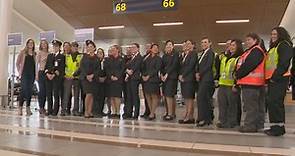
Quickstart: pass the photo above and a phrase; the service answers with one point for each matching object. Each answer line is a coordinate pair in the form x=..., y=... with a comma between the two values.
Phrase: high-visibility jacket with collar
x=257, y=76
x=72, y=65
x=227, y=69
x=272, y=60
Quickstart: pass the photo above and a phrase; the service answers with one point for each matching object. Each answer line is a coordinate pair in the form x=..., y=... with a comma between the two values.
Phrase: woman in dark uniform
x=114, y=72
x=169, y=75
x=151, y=80
x=89, y=71
x=101, y=84
x=187, y=79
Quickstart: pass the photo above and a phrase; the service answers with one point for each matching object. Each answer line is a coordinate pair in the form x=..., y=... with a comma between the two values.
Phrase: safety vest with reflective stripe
x=272, y=60
x=227, y=68
x=72, y=66
x=256, y=77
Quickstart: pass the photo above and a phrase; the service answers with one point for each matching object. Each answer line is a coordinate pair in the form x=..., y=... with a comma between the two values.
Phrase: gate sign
x=49, y=36
x=15, y=39
x=81, y=35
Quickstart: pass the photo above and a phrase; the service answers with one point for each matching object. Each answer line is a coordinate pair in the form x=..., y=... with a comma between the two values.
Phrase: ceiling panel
x=199, y=18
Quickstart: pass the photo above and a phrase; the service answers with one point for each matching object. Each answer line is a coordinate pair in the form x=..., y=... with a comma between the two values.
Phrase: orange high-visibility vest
x=256, y=77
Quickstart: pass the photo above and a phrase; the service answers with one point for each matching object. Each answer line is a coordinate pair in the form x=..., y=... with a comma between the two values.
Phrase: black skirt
x=114, y=90
x=170, y=88
x=188, y=90
x=151, y=88
x=88, y=87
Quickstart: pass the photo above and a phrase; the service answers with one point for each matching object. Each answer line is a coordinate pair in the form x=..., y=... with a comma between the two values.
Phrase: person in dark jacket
x=169, y=76
x=142, y=68
x=100, y=95
x=205, y=78
x=89, y=71
x=151, y=80
x=26, y=67
x=132, y=80
x=251, y=78
x=115, y=79
x=54, y=70
x=278, y=72
x=187, y=79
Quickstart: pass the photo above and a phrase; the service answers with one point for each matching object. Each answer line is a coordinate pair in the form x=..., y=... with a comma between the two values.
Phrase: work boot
x=28, y=110
x=275, y=131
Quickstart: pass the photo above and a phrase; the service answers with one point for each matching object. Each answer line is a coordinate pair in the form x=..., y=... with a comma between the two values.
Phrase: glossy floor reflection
x=70, y=135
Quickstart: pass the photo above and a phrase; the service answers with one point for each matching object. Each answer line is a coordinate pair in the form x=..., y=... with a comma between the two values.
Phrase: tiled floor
x=78, y=136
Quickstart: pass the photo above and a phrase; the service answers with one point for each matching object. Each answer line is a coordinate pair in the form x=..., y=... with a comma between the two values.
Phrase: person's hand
x=101, y=79
x=234, y=89
x=198, y=77
x=114, y=78
x=90, y=77
x=180, y=78
x=129, y=71
x=57, y=73
x=37, y=77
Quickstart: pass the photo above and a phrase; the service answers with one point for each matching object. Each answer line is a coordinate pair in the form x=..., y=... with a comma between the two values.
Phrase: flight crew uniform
x=126, y=59
x=227, y=98
x=55, y=65
x=143, y=68
x=250, y=76
x=72, y=64
x=206, y=87
x=132, y=83
x=99, y=98
x=278, y=72
x=170, y=66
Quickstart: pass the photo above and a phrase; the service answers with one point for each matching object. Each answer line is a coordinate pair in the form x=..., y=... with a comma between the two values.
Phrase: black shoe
x=68, y=113
x=76, y=114
x=275, y=131
x=62, y=114
x=244, y=129
x=168, y=118
x=203, y=123
x=189, y=121
x=126, y=117
x=220, y=125
x=151, y=118
x=135, y=118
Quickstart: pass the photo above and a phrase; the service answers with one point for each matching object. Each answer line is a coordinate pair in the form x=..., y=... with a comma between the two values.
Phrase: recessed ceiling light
x=221, y=43
x=232, y=21
x=178, y=44
x=112, y=27
x=167, y=24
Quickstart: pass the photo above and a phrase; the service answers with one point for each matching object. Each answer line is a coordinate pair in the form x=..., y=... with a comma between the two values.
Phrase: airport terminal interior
x=106, y=23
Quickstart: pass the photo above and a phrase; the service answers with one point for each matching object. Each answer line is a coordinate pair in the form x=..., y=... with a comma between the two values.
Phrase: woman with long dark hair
x=26, y=66
x=278, y=72
x=41, y=76
x=228, y=93
x=250, y=76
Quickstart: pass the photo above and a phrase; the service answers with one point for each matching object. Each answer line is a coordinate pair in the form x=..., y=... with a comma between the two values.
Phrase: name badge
x=55, y=63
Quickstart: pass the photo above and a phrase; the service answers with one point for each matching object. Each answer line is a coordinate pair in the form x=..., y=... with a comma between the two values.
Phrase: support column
x=6, y=7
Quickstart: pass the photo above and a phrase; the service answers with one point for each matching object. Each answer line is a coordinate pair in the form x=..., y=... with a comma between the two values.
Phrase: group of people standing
x=242, y=77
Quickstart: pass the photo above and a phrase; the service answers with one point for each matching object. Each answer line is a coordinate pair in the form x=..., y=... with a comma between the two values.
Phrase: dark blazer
x=89, y=65
x=134, y=64
x=206, y=65
x=152, y=68
x=115, y=67
x=187, y=66
x=170, y=65
x=55, y=63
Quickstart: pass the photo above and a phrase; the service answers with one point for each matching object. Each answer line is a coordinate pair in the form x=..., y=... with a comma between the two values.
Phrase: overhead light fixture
x=167, y=24
x=232, y=21
x=178, y=44
x=112, y=27
x=221, y=43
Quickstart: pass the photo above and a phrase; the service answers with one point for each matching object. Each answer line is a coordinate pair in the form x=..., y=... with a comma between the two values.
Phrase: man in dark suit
x=205, y=78
x=54, y=69
x=132, y=80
